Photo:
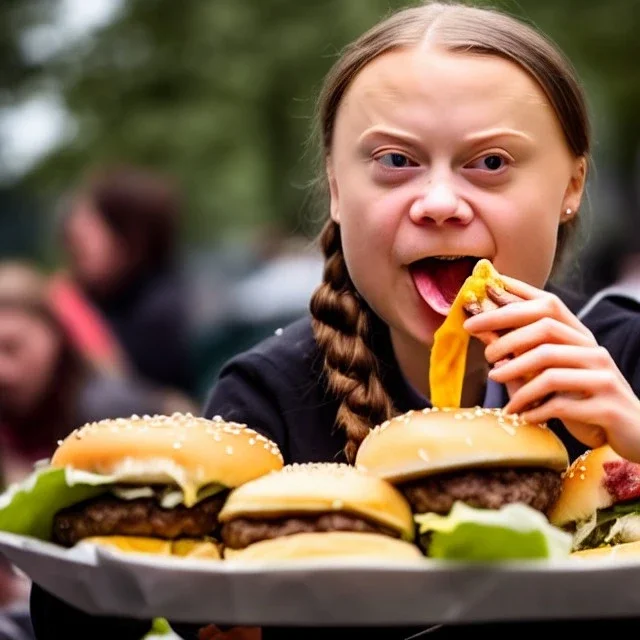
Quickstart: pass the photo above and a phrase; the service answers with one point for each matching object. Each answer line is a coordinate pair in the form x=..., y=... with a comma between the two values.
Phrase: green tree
x=220, y=93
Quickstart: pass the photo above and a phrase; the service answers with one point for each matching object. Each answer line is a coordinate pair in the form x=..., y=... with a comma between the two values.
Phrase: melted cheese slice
x=450, y=342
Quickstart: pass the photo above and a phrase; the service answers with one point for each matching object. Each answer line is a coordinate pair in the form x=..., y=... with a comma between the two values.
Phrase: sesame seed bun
x=334, y=544
x=317, y=488
x=192, y=452
x=626, y=550
x=433, y=441
x=583, y=490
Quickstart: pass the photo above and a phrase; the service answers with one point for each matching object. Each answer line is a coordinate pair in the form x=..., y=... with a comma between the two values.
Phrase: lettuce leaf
x=516, y=531
x=28, y=507
x=160, y=628
x=615, y=525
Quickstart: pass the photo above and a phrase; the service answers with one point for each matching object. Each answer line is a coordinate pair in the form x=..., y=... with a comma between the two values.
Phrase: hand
x=212, y=632
x=554, y=368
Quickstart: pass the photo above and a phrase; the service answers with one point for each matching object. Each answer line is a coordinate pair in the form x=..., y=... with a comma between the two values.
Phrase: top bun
x=313, y=488
x=432, y=441
x=178, y=448
x=583, y=490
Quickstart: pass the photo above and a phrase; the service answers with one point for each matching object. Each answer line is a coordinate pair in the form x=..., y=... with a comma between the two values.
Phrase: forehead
x=434, y=89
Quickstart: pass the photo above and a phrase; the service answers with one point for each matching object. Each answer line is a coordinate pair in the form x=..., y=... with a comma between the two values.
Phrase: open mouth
x=439, y=278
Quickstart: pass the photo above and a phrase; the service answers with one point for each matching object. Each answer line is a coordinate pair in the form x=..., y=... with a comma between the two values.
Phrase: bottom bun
x=334, y=544
x=180, y=548
x=627, y=549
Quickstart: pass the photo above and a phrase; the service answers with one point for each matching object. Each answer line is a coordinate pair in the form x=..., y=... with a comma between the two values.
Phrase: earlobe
x=333, y=192
x=575, y=189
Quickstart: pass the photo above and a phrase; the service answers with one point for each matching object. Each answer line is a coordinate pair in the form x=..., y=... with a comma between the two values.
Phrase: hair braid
x=341, y=326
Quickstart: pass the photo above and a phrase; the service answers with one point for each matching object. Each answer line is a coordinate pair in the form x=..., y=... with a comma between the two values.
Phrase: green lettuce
x=160, y=628
x=516, y=531
x=28, y=507
x=615, y=525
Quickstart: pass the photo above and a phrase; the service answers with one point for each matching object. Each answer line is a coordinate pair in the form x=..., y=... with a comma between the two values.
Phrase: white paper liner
x=318, y=593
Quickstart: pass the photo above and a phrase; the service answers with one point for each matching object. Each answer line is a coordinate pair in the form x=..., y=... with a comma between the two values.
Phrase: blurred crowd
x=119, y=327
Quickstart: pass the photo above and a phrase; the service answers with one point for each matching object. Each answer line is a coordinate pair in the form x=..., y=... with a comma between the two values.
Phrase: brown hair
x=141, y=207
x=341, y=319
x=25, y=288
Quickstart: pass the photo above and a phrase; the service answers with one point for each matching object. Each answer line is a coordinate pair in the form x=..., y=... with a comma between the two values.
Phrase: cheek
x=43, y=356
x=369, y=218
x=526, y=243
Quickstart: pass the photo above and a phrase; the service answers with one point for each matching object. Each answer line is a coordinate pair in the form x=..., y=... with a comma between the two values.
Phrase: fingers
x=522, y=289
x=582, y=382
x=518, y=314
x=577, y=415
x=502, y=297
x=551, y=356
x=528, y=337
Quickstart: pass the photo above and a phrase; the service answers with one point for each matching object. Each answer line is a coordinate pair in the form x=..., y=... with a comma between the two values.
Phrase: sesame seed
x=337, y=504
x=177, y=445
x=229, y=450
x=423, y=455
x=279, y=332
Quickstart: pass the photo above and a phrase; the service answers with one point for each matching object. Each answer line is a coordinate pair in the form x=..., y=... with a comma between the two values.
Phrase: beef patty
x=240, y=533
x=483, y=489
x=110, y=516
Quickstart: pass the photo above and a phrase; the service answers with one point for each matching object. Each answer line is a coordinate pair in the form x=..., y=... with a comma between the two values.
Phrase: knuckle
x=553, y=304
x=603, y=357
x=609, y=381
x=548, y=327
x=545, y=352
x=548, y=378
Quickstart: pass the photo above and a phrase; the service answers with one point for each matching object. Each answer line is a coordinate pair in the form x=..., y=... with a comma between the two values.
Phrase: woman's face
x=439, y=154
x=98, y=257
x=29, y=354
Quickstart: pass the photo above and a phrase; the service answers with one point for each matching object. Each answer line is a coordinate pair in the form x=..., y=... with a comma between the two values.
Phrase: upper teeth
x=448, y=257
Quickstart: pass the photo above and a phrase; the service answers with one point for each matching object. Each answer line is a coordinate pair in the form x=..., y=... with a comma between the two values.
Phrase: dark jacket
x=150, y=319
x=277, y=388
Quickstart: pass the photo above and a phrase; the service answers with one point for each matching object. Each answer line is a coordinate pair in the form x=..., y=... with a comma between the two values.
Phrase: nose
x=438, y=204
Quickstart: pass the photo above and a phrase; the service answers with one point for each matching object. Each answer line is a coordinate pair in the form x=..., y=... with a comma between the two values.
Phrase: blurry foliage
x=220, y=92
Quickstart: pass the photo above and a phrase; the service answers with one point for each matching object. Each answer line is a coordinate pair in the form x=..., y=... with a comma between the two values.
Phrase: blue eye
x=396, y=161
x=492, y=162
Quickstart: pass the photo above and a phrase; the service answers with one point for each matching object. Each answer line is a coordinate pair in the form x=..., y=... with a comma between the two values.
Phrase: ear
x=575, y=188
x=333, y=191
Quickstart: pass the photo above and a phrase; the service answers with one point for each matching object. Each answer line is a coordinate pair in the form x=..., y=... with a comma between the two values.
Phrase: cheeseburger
x=600, y=504
x=159, y=482
x=480, y=458
x=317, y=510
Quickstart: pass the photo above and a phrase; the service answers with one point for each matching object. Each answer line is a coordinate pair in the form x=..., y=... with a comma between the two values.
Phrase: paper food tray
x=318, y=593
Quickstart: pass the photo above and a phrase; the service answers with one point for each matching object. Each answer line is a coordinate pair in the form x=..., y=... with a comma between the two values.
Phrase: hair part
x=341, y=319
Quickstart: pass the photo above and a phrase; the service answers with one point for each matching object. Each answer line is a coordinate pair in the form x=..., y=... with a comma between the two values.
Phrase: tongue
x=438, y=281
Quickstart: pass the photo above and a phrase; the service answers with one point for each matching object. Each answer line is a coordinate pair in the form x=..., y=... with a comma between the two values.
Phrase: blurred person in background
x=48, y=384
x=120, y=240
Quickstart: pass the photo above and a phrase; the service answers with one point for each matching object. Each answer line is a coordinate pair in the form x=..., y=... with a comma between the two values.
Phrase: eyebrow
x=387, y=132
x=481, y=136
x=491, y=134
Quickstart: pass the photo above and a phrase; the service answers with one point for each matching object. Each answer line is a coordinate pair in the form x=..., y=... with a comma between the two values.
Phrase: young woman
x=448, y=133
